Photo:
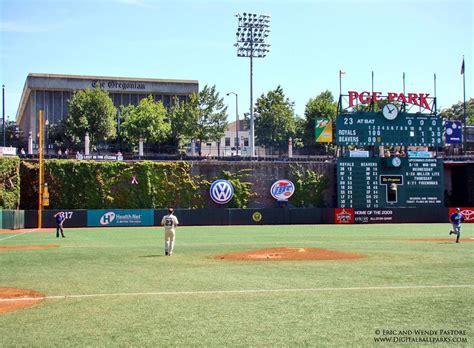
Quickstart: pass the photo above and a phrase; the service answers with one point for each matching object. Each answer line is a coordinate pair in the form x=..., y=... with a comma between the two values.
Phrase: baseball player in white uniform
x=169, y=222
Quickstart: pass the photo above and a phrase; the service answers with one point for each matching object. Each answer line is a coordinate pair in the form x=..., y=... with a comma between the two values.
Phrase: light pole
x=3, y=113
x=46, y=126
x=118, y=131
x=250, y=36
x=236, y=121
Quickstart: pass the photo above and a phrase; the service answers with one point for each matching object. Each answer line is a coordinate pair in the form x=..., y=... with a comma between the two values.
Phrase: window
x=117, y=99
x=227, y=141
x=134, y=99
x=126, y=99
x=246, y=141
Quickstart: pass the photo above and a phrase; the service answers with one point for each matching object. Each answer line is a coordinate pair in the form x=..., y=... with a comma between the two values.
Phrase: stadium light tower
x=251, y=33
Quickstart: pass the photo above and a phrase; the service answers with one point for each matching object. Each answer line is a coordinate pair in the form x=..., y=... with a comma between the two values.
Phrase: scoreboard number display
x=385, y=182
x=390, y=127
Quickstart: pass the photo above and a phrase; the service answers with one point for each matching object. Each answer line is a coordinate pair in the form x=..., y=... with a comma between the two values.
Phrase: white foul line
x=19, y=234
x=249, y=291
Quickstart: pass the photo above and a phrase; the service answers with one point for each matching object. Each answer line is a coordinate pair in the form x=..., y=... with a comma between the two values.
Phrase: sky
x=194, y=40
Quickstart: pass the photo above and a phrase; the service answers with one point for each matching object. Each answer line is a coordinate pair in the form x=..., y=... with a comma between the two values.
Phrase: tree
x=310, y=186
x=13, y=135
x=59, y=137
x=321, y=106
x=275, y=122
x=456, y=112
x=91, y=111
x=147, y=120
x=182, y=116
x=203, y=117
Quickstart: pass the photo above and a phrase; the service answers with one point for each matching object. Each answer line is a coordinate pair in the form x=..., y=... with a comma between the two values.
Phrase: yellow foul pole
x=41, y=168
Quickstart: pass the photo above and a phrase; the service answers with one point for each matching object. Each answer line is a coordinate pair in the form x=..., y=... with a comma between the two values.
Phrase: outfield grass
x=139, y=297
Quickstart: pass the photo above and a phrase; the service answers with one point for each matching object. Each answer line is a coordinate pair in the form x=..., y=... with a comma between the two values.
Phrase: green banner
x=323, y=130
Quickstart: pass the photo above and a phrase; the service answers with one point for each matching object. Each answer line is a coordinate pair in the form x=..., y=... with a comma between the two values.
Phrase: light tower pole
x=250, y=42
x=236, y=121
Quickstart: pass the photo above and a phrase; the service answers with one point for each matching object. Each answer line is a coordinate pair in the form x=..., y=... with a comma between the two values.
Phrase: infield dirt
x=12, y=299
x=289, y=254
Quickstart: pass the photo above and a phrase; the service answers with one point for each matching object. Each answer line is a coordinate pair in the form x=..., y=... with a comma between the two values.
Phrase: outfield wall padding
x=74, y=218
x=401, y=215
x=12, y=219
x=225, y=216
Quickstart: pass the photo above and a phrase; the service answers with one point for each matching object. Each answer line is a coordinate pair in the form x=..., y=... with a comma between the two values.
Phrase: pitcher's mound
x=289, y=254
x=12, y=299
x=29, y=247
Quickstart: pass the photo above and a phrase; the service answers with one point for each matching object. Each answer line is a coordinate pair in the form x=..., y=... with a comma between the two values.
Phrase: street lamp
x=236, y=121
x=3, y=113
x=46, y=126
x=250, y=36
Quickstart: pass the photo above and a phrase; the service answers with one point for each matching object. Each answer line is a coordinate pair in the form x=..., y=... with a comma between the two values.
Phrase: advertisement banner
x=323, y=130
x=453, y=132
x=281, y=190
x=73, y=218
x=343, y=215
x=374, y=216
x=467, y=213
x=221, y=191
x=118, y=217
x=7, y=151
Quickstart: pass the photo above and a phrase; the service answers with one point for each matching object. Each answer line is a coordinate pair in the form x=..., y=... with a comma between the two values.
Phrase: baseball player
x=170, y=222
x=456, y=218
x=60, y=217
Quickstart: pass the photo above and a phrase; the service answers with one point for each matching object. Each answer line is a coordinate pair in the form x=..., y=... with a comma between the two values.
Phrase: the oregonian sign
x=119, y=85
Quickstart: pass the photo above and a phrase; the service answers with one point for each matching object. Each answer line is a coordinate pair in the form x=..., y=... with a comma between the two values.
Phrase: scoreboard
x=395, y=182
x=382, y=128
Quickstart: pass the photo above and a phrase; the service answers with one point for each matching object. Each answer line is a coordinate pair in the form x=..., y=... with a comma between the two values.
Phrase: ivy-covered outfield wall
x=144, y=184
x=9, y=183
x=97, y=185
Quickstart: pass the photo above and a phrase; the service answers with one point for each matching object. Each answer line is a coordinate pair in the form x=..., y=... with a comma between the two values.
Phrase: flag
x=462, y=66
x=342, y=72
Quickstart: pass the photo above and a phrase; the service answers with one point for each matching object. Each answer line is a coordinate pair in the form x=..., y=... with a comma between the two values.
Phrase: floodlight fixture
x=250, y=36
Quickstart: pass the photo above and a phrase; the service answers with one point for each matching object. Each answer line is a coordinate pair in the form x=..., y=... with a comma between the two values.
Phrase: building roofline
x=113, y=78
x=32, y=76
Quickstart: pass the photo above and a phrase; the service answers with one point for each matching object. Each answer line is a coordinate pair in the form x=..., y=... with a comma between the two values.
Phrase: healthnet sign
x=114, y=218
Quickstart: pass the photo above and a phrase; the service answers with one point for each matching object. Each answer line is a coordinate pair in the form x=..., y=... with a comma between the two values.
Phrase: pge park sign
x=418, y=99
x=281, y=190
x=393, y=125
x=221, y=191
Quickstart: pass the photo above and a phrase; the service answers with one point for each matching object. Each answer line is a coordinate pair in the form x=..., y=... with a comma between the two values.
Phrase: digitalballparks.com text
x=420, y=336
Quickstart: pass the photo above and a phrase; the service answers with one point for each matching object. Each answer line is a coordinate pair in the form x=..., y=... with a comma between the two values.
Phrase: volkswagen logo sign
x=221, y=191
x=281, y=190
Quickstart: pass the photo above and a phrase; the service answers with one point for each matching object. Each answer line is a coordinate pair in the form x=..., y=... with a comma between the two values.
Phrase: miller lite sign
x=281, y=190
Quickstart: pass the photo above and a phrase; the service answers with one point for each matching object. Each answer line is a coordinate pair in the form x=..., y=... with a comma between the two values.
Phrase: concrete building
x=51, y=92
x=229, y=146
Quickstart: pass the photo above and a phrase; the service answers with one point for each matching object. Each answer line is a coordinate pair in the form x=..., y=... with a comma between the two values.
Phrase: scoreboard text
x=390, y=182
x=372, y=128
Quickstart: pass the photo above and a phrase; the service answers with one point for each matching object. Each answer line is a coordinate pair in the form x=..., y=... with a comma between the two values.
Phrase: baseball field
x=238, y=286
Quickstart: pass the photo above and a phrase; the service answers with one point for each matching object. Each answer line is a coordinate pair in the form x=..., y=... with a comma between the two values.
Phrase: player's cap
x=457, y=209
